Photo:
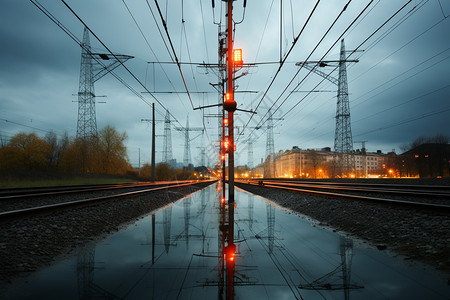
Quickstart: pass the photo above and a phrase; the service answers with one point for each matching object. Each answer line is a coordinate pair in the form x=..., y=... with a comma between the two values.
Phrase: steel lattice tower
x=93, y=67
x=87, y=122
x=343, y=144
x=270, y=150
x=167, y=144
x=343, y=141
x=187, y=145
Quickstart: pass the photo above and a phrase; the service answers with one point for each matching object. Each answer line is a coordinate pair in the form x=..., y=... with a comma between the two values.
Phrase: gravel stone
x=29, y=244
x=414, y=234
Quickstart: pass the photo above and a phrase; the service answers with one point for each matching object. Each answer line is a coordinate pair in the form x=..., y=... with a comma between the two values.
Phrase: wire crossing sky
x=398, y=89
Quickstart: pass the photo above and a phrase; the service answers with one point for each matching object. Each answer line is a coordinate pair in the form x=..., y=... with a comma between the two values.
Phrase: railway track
x=24, y=202
x=429, y=197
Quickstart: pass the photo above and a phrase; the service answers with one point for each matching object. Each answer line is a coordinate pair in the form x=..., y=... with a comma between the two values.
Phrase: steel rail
x=369, y=189
x=79, y=189
x=422, y=205
x=40, y=209
x=399, y=186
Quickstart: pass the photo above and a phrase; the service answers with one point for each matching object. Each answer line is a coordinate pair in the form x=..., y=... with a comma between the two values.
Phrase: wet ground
x=175, y=252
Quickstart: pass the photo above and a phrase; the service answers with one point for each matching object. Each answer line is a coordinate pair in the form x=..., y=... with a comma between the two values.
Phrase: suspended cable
x=391, y=80
x=174, y=53
x=284, y=59
x=151, y=49
x=409, y=120
x=311, y=53
x=352, y=52
x=159, y=30
x=401, y=104
x=406, y=44
x=123, y=65
x=204, y=31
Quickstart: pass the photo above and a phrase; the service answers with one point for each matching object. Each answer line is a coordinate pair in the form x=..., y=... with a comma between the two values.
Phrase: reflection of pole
x=187, y=216
x=153, y=238
x=251, y=201
x=346, y=247
x=230, y=106
x=167, y=222
x=85, y=272
x=270, y=226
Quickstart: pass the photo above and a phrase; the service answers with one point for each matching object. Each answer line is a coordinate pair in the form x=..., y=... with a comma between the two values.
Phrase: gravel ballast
x=412, y=233
x=29, y=244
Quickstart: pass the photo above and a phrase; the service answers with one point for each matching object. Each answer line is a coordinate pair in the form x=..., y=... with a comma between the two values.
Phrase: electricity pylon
x=187, y=147
x=343, y=140
x=167, y=144
x=93, y=67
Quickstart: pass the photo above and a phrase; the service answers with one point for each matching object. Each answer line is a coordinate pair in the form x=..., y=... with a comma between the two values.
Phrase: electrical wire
x=373, y=114
x=123, y=65
x=261, y=122
x=403, y=46
x=392, y=79
x=284, y=59
x=352, y=52
x=174, y=53
x=154, y=54
x=159, y=30
x=409, y=120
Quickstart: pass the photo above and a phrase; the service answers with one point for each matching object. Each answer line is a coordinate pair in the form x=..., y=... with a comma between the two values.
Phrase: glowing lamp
x=225, y=121
x=228, y=97
x=229, y=104
x=230, y=252
x=237, y=57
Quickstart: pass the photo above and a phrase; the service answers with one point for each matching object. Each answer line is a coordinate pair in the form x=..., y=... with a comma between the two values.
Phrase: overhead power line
x=174, y=53
x=123, y=65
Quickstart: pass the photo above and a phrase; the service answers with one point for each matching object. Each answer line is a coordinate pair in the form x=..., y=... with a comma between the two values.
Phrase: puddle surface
x=174, y=253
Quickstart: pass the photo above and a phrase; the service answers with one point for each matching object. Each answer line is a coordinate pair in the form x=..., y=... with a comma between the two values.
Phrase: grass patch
x=21, y=180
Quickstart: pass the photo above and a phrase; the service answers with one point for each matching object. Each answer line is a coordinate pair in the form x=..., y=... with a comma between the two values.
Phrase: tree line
x=104, y=154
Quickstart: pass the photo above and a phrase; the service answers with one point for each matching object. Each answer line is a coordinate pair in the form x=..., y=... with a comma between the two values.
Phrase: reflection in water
x=187, y=216
x=332, y=279
x=251, y=204
x=249, y=256
x=270, y=226
x=87, y=288
x=167, y=223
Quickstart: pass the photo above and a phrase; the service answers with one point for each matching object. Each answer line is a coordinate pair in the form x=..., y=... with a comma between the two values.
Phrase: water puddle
x=177, y=252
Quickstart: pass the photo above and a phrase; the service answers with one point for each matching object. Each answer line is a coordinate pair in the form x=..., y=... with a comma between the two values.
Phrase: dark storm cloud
x=40, y=69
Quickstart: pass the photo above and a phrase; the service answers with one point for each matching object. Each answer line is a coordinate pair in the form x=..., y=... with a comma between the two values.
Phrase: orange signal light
x=225, y=121
x=228, y=97
x=237, y=56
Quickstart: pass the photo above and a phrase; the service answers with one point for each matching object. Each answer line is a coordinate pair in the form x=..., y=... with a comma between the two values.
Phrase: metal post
x=153, y=141
x=230, y=106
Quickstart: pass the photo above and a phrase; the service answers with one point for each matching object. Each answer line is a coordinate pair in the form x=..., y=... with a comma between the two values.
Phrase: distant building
x=426, y=160
x=320, y=163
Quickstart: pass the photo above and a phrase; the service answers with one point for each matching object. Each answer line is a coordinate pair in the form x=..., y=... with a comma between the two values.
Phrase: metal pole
x=153, y=141
x=230, y=106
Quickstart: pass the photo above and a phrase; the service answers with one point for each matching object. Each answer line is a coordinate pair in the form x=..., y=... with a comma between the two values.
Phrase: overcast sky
x=399, y=90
